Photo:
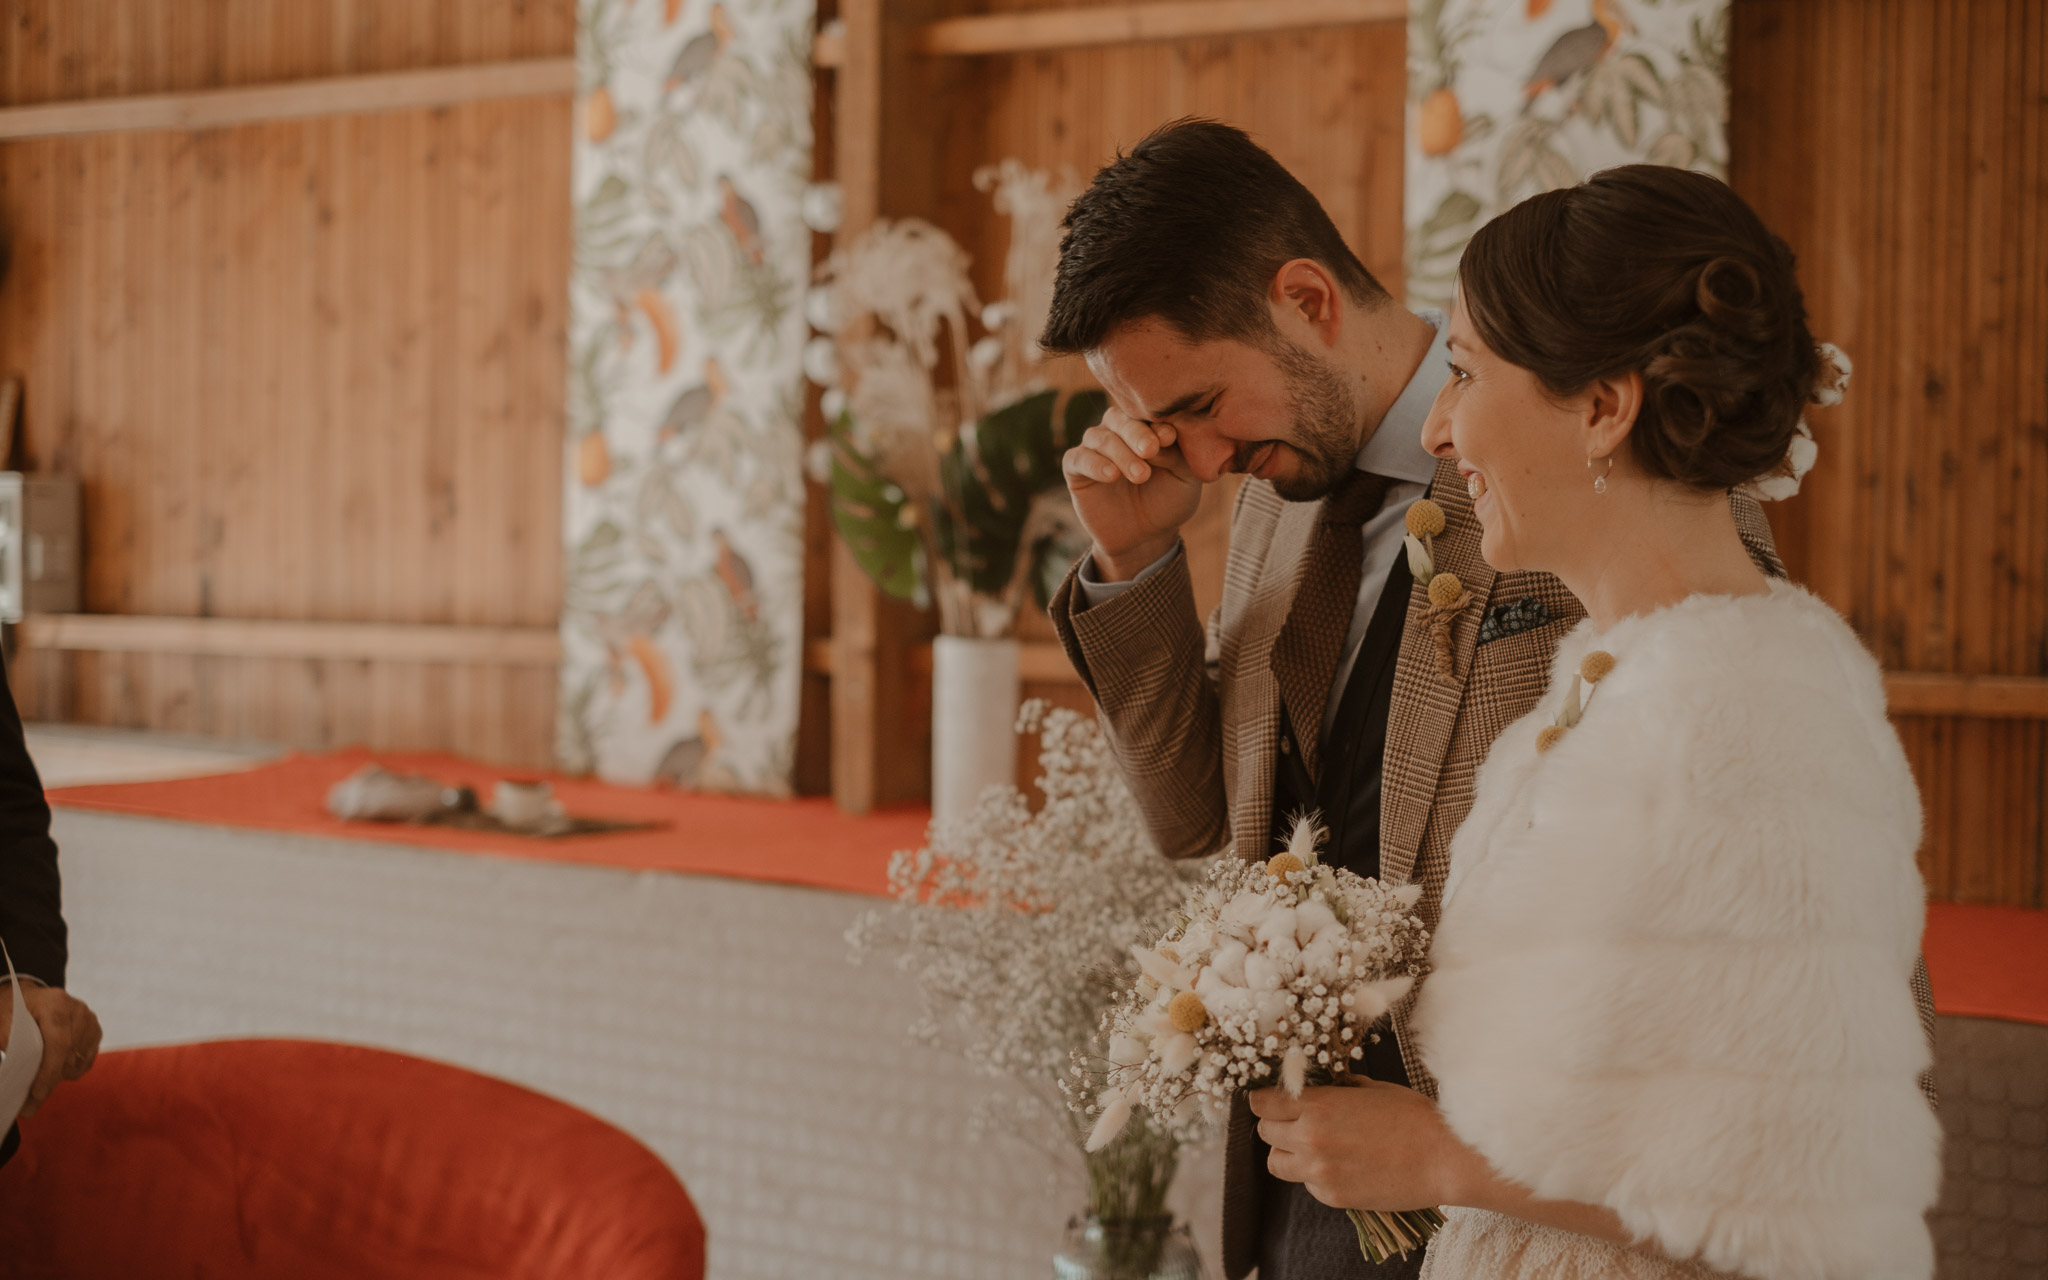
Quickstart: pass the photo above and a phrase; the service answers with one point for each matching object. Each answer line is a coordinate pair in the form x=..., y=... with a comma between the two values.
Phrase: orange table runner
x=1988, y=962
x=803, y=842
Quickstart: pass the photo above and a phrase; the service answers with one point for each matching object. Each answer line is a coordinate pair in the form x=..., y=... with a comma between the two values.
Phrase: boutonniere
x=1593, y=668
x=1447, y=595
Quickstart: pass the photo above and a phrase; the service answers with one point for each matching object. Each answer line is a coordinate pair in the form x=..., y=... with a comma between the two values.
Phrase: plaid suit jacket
x=1195, y=720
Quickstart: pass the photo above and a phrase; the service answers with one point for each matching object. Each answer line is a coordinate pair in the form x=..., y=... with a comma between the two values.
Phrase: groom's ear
x=1612, y=404
x=1306, y=299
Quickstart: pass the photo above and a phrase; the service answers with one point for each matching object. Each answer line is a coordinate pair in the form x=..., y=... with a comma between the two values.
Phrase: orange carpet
x=1988, y=962
x=803, y=842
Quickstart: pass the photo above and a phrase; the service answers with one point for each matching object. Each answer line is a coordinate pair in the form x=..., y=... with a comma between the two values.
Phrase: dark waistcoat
x=1302, y=1238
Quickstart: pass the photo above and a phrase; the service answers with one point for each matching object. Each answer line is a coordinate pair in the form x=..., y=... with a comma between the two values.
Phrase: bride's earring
x=1600, y=481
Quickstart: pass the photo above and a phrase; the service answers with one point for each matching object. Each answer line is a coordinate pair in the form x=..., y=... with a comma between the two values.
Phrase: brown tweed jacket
x=1195, y=721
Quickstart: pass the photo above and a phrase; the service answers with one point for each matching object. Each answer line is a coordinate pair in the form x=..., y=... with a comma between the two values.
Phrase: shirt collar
x=1395, y=450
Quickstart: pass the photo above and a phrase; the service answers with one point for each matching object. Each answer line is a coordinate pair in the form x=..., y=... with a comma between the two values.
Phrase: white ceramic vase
x=975, y=689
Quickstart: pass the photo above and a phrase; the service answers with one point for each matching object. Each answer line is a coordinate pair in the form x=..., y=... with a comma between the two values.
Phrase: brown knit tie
x=1305, y=653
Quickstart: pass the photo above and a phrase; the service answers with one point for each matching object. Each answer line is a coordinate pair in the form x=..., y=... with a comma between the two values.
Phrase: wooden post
x=881, y=728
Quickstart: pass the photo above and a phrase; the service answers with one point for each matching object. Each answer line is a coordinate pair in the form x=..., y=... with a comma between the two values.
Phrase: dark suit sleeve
x=31, y=897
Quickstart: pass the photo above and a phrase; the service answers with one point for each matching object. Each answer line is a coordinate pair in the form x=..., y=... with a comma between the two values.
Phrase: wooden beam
x=1040, y=661
x=828, y=47
x=1910, y=694
x=1132, y=23
x=1978, y=697
x=856, y=603
x=1047, y=662
x=294, y=99
x=264, y=638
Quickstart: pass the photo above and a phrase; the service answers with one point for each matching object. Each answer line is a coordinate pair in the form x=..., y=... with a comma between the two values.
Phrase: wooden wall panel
x=1327, y=103
x=307, y=370
x=1901, y=147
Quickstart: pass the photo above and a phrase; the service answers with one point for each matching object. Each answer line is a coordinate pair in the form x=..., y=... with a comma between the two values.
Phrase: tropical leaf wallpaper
x=1508, y=98
x=682, y=624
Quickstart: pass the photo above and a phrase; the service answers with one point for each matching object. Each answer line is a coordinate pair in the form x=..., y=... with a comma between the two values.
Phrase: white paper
x=24, y=1053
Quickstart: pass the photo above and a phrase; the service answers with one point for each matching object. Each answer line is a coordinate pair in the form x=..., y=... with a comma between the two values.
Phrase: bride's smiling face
x=1521, y=450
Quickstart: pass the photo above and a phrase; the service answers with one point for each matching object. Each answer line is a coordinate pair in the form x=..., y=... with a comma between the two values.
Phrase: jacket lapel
x=1425, y=705
x=1294, y=526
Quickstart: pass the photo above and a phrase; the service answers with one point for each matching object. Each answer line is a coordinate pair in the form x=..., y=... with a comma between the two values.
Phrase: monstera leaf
x=991, y=477
x=994, y=473
x=869, y=512
x=1052, y=556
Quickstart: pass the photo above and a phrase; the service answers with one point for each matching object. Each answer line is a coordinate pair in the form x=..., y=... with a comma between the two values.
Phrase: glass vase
x=1126, y=1249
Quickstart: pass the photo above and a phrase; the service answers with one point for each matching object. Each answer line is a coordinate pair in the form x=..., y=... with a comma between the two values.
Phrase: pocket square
x=1504, y=620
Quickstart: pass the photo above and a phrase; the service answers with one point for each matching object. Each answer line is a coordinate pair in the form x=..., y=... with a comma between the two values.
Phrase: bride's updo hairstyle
x=1669, y=273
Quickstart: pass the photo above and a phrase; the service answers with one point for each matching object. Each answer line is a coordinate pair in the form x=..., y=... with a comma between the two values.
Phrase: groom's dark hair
x=1190, y=227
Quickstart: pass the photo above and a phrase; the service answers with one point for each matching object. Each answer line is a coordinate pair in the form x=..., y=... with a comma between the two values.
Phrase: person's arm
x=31, y=893
x=32, y=918
x=1143, y=654
x=1094, y=590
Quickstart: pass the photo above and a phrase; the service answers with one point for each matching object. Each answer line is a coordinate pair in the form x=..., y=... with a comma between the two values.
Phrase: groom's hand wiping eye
x=1132, y=490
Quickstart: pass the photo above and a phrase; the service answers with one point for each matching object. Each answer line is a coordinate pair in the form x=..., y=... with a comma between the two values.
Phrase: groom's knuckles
x=1142, y=438
x=1117, y=451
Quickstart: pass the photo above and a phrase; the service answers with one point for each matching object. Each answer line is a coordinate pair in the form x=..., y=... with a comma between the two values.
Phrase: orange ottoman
x=291, y=1158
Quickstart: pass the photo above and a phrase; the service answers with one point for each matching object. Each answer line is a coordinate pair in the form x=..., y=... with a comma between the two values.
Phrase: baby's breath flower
x=1017, y=925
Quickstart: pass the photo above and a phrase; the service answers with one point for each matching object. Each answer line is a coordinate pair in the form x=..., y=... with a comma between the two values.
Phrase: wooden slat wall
x=307, y=370
x=1901, y=147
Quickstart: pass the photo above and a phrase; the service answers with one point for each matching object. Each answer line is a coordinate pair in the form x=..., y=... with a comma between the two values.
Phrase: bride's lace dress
x=1476, y=1245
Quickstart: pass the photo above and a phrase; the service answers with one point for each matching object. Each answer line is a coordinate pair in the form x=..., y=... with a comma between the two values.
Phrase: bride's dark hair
x=1667, y=272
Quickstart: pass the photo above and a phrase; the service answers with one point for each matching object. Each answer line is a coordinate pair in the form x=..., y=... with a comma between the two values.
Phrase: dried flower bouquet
x=1272, y=973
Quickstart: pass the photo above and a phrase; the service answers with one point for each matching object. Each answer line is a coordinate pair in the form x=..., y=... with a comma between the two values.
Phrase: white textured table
x=718, y=1021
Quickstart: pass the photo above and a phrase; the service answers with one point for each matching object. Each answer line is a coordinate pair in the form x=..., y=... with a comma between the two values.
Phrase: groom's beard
x=1325, y=425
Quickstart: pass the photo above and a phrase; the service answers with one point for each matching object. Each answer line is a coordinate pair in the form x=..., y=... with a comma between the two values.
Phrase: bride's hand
x=1380, y=1146
x=1368, y=1146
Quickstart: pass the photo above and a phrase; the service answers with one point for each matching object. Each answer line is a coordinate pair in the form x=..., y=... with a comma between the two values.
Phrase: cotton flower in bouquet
x=1272, y=973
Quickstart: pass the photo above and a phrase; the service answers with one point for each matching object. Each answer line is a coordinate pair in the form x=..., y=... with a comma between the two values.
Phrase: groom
x=1236, y=333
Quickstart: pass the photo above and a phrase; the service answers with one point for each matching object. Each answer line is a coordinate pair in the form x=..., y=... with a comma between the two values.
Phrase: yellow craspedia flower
x=1282, y=865
x=1549, y=738
x=1595, y=666
x=1187, y=1012
x=1425, y=518
x=1444, y=590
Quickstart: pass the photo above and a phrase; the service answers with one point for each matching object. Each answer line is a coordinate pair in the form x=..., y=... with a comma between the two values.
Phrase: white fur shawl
x=1672, y=975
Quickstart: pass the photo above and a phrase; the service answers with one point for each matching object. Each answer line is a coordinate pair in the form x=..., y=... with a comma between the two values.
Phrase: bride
x=1669, y=1011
